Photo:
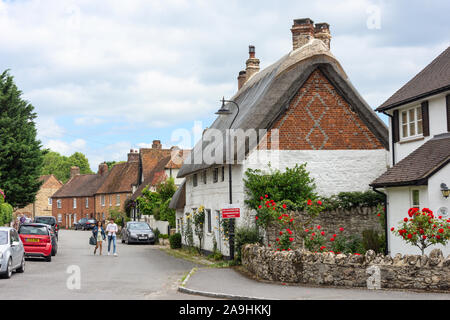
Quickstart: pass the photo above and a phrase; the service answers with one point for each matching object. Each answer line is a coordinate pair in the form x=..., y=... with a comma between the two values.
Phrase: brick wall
x=103, y=211
x=67, y=211
x=319, y=118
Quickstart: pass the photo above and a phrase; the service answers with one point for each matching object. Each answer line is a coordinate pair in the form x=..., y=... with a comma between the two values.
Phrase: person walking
x=99, y=235
x=112, y=230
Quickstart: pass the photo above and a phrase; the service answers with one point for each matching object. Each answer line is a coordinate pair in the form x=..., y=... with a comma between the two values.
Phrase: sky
x=109, y=76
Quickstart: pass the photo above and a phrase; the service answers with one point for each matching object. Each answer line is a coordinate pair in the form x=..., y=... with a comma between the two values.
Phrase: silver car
x=137, y=232
x=12, y=255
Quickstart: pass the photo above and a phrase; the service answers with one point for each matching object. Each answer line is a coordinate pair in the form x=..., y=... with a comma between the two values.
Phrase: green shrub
x=348, y=200
x=348, y=244
x=157, y=235
x=175, y=241
x=245, y=235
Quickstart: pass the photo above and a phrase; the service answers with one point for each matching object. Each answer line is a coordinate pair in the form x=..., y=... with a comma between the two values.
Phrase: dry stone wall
x=430, y=272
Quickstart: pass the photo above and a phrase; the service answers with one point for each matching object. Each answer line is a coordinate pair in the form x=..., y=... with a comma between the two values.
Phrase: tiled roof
x=121, y=178
x=153, y=177
x=433, y=79
x=151, y=157
x=418, y=166
x=83, y=185
x=177, y=158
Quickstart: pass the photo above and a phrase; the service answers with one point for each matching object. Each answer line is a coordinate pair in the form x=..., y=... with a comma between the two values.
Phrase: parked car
x=54, y=242
x=137, y=232
x=12, y=254
x=37, y=240
x=51, y=221
x=85, y=224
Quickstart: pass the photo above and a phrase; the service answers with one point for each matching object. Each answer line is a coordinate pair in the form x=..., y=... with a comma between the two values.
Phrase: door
x=15, y=249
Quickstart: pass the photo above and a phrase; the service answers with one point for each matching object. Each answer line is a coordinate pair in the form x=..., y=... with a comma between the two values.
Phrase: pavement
x=231, y=284
x=138, y=272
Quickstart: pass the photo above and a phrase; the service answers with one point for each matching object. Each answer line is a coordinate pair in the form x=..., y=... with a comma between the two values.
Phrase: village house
x=43, y=204
x=76, y=199
x=419, y=137
x=319, y=119
x=117, y=187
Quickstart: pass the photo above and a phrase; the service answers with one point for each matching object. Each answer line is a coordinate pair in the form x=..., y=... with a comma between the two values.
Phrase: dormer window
x=411, y=124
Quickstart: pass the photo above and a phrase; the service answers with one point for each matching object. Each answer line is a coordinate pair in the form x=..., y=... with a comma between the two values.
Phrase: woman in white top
x=112, y=230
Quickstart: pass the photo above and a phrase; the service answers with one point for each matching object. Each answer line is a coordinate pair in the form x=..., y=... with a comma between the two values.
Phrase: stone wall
x=354, y=221
x=430, y=272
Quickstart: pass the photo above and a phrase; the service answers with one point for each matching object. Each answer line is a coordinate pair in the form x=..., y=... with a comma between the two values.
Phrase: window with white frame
x=208, y=219
x=415, y=198
x=50, y=201
x=102, y=200
x=118, y=200
x=58, y=203
x=411, y=122
x=74, y=203
x=87, y=202
x=110, y=200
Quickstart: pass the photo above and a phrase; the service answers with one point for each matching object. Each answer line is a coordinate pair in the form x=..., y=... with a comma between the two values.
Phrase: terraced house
x=318, y=116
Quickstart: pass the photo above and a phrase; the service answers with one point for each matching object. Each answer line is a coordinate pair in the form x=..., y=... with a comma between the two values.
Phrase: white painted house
x=312, y=113
x=419, y=149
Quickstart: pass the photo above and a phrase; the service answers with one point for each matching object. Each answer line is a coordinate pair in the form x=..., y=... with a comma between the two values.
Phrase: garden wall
x=430, y=272
x=354, y=221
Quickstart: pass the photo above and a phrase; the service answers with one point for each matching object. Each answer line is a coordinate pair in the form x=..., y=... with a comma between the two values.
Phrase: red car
x=36, y=239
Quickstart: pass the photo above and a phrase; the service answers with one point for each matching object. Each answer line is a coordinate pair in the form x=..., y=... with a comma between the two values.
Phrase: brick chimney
x=252, y=63
x=241, y=79
x=133, y=156
x=102, y=169
x=156, y=144
x=74, y=171
x=302, y=32
x=322, y=32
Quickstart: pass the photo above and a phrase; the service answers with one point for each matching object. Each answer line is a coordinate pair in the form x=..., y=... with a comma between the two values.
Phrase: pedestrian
x=112, y=229
x=99, y=235
x=23, y=219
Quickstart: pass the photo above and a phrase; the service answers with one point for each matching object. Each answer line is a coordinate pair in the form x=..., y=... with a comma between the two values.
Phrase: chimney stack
x=133, y=156
x=241, y=79
x=252, y=63
x=156, y=144
x=302, y=32
x=322, y=32
x=74, y=171
x=102, y=169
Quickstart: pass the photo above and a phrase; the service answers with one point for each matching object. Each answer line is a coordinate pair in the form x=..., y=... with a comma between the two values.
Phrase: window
x=208, y=217
x=411, y=122
x=204, y=176
x=87, y=202
x=74, y=203
x=415, y=195
x=110, y=200
x=58, y=203
x=223, y=173
x=216, y=175
x=118, y=200
x=102, y=200
x=194, y=180
x=49, y=201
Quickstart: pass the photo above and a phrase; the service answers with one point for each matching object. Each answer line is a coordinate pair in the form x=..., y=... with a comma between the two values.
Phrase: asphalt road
x=138, y=272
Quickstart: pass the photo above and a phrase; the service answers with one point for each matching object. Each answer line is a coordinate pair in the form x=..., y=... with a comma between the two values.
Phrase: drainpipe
x=386, y=251
x=392, y=138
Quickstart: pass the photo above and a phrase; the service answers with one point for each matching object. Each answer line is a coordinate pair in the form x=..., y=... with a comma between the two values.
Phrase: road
x=139, y=272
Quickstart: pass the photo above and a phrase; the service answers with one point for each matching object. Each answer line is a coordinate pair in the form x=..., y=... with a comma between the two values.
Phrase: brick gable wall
x=318, y=118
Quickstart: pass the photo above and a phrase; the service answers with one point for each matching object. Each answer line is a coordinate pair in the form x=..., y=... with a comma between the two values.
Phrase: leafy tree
x=20, y=152
x=60, y=165
x=111, y=164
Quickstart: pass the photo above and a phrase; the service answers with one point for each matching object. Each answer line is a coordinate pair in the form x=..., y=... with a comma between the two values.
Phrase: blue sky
x=107, y=76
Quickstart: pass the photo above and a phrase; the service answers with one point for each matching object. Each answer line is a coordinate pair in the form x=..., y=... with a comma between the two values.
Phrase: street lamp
x=224, y=111
x=445, y=190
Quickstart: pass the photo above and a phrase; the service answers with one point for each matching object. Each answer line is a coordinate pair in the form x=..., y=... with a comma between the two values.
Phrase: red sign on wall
x=231, y=212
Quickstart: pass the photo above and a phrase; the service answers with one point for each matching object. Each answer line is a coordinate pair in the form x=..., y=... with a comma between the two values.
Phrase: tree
x=111, y=164
x=20, y=152
x=60, y=165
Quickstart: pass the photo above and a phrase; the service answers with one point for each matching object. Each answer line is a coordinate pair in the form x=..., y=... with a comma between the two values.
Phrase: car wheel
x=49, y=258
x=8, y=272
x=21, y=269
x=123, y=240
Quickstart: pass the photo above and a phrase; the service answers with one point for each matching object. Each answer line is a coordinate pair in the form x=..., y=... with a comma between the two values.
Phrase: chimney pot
x=133, y=156
x=322, y=32
x=102, y=169
x=156, y=144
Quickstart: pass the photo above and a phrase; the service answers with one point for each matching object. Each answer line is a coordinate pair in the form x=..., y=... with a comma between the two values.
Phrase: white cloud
x=66, y=148
x=47, y=128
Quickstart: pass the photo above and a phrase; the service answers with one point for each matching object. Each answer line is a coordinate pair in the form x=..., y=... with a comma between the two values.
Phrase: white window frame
x=102, y=200
x=50, y=202
x=415, y=205
x=74, y=203
x=87, y=203
x=110, y=200
x=117, y=200
x=59, y=204
x=415, y=122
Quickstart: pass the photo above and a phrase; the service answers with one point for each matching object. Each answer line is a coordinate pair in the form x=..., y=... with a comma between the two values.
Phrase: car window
x=3, y=237
x=15, y=236
x=34, y=230
x=138, y=226
x=91, y=221
x=45, y=220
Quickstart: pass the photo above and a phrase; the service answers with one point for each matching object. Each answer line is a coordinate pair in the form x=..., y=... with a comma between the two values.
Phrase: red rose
x=261, y=198
x=334, y=235
x=291, y=239
x=306, y=230
x=392, y=229
x=260, y=206
x=406, y=219
x=291, y=220
x=277, y=239
x=322, y=233
x=341, y=229
x=424, y=237
x=284, y=206
x=281, y=233
x=289, y=231
x=280, y=217
x=256, y=218
x=379, y=215
x=309, y=202
x=266, y=196
x=274, y=208
x=313, y=234
x=441, y=230
x=409, y=236
x=318, y=227
x=319, y=202
x=332, y=239
x=438, y=237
